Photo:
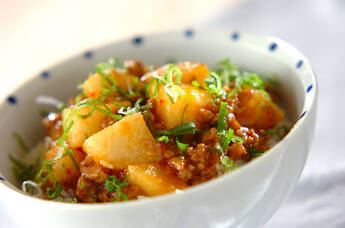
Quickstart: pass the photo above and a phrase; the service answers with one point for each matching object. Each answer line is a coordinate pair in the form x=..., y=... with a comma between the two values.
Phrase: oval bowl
x=246, y=197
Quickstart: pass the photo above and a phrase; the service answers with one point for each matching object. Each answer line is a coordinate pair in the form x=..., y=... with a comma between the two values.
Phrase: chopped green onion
x=227, y=138
x=112, y=183
x=218, y=148
x=182, y=146
x=223, y=113
x=228, y=163
x=154, y=82
x=232, y=92
x=195, y=84
x=182, y=129
x=225, y=69
x=170, y=85
x=46, y=169
x=228, y=72
x=214, y=85
x=178, y=73
x=255, y=152
x=184, y=110
x=88, y=191
x=104, y=68
x=66, y=129
x=84, y=116
x=252, y=80
x=54, y=193
x=173, y=92
x=96, y=105
x=135, y=109
x=147, y=116
x=163, y=138
x=237, y=139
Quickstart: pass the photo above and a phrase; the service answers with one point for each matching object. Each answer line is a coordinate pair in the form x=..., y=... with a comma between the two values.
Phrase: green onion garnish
x=112, y=183
x=227, y=138
x=181, y=146
x=195, y=84
x=163, y=138
x=223, y=113
x=184, y=110
x=88, y=191
x=54, y=192
x=255, y=152
x=182, y=129
x=228, y=163
x=214, y=85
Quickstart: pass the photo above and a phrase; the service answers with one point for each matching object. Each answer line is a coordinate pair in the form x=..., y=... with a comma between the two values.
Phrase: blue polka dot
x=2, y=179
x=303, y=114
x=88, y=54
x=299, y=64
x=12, y=100
x=189, y=33
x=273, y=46
x=309, y=88
x=137, y=40
x=235, y=36
x=45, y=74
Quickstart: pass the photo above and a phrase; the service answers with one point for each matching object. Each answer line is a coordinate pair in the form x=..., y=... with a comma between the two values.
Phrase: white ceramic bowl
x=246, y=197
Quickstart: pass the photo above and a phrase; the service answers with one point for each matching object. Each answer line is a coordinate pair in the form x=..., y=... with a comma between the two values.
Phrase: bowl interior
x=271, y=58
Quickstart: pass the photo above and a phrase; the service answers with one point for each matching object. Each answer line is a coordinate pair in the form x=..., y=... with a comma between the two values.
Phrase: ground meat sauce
x=177, y=161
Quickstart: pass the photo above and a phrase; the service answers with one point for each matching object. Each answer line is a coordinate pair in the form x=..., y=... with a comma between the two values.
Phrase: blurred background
x=37, y=33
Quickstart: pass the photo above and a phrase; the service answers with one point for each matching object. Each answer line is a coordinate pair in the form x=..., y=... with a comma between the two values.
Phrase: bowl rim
x=283, y=46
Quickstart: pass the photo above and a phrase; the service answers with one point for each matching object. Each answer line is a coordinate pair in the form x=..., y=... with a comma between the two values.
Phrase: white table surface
x=35, y=34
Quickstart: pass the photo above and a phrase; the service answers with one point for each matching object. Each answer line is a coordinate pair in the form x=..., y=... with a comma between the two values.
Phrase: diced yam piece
x=124, y=143
x=193, y=71
x=190, y=72
x=64, y=170
x=154, y=179
x=171, y=113
x=93, y=85
x=256, y=110
x=82, y=128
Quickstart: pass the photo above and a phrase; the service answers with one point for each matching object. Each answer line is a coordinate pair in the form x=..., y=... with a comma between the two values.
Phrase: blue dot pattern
x=303, y=114
x=45, y=74
x=273, y=46
x=189, y=33
x=235, y=36
x=138, y=40
x=12, y=100
x=299, y=64
x=2, y=179
x=309, y=88
x=88, y=54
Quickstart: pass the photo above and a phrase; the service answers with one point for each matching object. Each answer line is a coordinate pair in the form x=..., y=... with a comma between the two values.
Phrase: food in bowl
x=140, y=131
